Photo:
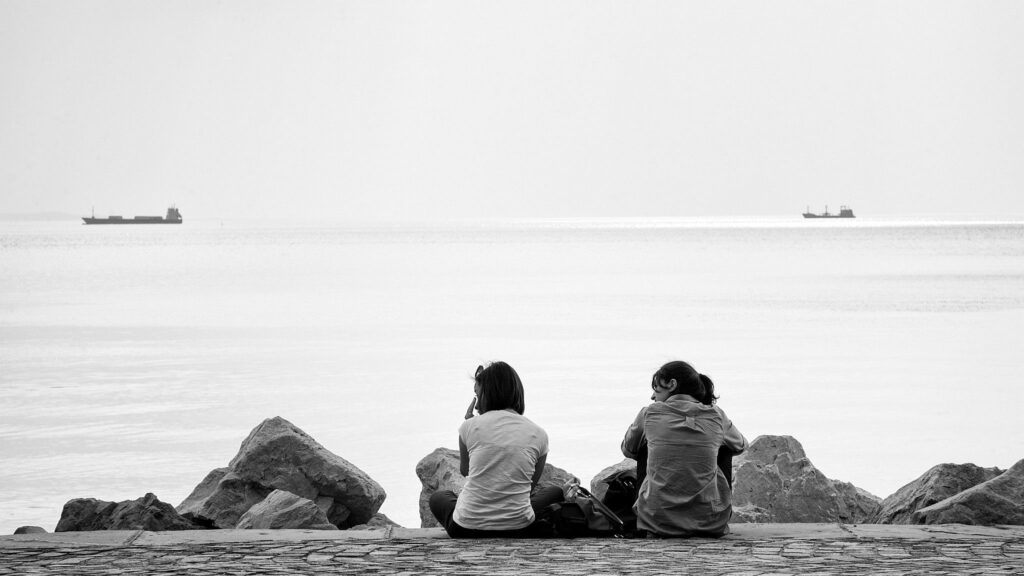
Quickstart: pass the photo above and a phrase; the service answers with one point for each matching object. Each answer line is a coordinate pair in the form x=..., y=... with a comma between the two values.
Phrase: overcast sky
x=379, y=109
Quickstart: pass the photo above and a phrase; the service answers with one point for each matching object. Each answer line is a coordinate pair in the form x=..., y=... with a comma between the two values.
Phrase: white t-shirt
x=504, y=448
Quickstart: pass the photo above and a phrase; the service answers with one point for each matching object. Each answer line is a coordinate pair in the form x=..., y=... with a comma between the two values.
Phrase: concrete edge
x=107, y=538
x=124, y=538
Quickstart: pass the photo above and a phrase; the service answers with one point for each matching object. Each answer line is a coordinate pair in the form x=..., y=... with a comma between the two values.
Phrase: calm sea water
x=136, y=359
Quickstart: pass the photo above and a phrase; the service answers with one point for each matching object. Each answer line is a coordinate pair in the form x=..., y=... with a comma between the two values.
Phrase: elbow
x=628, y=451
x=738, y=448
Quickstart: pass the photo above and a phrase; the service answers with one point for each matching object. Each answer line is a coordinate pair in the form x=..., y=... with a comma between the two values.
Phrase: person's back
x=502, y=455
x=505, y=448
x=684, y=493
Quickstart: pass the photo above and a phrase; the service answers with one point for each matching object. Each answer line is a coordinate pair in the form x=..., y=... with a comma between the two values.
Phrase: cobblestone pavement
x=417, y=555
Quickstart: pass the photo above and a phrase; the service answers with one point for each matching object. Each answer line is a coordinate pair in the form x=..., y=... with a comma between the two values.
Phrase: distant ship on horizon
x=844, y=212
x=173, y=217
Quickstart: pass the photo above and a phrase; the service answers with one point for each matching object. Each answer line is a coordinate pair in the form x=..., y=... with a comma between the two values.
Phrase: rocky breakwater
x=146, y=513
x=280, y=478
x=935, y=485
x=774, y=481
x=996, y=501
x=278, y=456
x=439, y=470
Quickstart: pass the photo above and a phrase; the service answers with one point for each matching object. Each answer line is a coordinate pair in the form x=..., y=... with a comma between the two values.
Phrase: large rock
x=777, y=479
x=29, y=530
x=221, y=499
x=146, y=513
x=277, y=455
x=997, y=501
x=439, y=470
x=555, y=476
x=281, y=510
x=935, y=485
x=599, y=483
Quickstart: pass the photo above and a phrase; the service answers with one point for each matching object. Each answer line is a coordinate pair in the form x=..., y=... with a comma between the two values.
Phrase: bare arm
x=539, y=471
x=463, y=458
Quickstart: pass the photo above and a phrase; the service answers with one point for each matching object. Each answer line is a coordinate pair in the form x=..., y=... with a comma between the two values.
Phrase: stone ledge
x=740, y=532
x=791, y=549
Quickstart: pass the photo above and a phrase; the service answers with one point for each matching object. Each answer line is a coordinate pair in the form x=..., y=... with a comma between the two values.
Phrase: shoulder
x=720, y=412
x=652, y=406
x=526, y=431
x=527, y=424
x=469, y=425
x=641, y=416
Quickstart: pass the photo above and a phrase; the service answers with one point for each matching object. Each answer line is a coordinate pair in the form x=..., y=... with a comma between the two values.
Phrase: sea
x=136, y=359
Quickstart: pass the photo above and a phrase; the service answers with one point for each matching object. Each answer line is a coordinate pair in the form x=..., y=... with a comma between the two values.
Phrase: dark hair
x=688, y=381
x=709, y=390
x=500, y=389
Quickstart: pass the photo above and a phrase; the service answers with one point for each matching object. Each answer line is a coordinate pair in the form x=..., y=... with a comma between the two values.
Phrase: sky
x=466, y=109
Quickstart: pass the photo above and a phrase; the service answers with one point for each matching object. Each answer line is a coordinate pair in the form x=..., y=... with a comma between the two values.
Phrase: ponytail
x=709, y=390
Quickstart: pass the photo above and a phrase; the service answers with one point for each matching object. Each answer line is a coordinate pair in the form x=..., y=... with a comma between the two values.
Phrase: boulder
x=146, y=513
x=378, y=522
x=778, y=480
x=935, y=485
x=749, y=514
x=85, y=514
x=439, y=470
x=221, y=499
x=277, y=455
x=996, y=501
x=555, y=476
x=599, y=483
x=30, y=530
x=281, y=510
x=854, y=502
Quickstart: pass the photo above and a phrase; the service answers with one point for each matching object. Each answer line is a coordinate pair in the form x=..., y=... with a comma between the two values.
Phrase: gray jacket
x=684, y=493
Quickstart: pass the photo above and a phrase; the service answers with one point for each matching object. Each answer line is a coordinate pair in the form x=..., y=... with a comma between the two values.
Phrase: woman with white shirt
x=502, y=455
x=685, y=492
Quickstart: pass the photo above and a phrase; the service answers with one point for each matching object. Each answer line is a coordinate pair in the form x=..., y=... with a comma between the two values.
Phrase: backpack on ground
x=621, y=497
x=582, y=515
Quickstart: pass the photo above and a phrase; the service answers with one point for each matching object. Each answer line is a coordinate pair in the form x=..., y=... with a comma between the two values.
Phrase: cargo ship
x=844, y=212
x=172, y=217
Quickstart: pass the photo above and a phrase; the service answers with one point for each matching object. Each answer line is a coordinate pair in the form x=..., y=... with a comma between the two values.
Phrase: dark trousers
x=442, y=505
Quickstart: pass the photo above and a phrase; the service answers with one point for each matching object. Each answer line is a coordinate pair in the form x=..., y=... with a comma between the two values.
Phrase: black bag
x=582, y=515
x=621, y=496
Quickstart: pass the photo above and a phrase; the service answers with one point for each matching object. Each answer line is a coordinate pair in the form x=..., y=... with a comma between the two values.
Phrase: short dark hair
x=688, y=381
x=500, y=389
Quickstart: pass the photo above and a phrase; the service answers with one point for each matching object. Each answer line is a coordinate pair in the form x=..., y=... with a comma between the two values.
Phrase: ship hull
x=128, y=221
x=826, y=216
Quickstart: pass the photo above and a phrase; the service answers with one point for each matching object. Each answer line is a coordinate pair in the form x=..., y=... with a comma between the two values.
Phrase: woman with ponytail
x=680, y=438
